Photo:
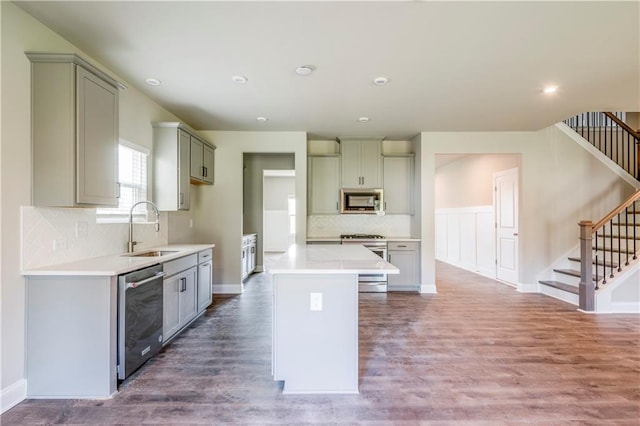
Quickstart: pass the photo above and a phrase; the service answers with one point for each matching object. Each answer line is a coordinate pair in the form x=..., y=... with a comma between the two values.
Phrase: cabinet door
x=97, y=140
x=184, y=160
x=407, y=262
x=398, y=185
x=371, y=165
x=171, y=307
x=197, y=171
x=252, y=258
x=188, y=295
x=245, y=261
x=324, y=185
x=351, y=168
x=204, y=285
x=208, y=163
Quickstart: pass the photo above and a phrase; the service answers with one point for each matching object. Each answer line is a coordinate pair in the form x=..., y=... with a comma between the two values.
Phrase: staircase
x=611, y=246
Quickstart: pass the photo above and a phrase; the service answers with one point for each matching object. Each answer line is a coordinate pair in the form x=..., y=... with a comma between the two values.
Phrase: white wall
x=561, y=183
x=20, y=33
x=468, y=181
x=217, y=217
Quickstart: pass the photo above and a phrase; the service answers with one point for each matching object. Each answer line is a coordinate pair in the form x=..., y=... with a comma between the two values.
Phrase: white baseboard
x=428, y=289
x=228, y=289
x=528, y=288
x=13, y=395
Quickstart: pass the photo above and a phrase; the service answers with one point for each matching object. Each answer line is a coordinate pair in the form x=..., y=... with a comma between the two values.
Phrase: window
x=132, y=176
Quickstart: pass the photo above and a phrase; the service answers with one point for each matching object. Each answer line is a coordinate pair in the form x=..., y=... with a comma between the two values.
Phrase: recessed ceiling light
x=363, y=119
x=549, y=90
x=240, y=79
x=153, y=82
x=380, y=81
x=262, y=119
x=304, y=70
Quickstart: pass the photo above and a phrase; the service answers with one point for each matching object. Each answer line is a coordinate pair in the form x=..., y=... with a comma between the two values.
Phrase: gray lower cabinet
x=74, y=122
x=205, y=277
x=406, y=257
x=249, y=254
x=180, y=294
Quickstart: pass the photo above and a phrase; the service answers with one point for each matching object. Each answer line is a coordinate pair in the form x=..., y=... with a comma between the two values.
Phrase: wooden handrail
x=632, y=199
x=622, y=124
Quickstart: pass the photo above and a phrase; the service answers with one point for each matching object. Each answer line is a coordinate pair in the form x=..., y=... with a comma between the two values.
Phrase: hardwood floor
x=478, y=352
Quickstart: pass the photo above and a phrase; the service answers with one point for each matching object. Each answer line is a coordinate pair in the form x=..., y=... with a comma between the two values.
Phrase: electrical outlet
x=59, y=245
x=315, y=302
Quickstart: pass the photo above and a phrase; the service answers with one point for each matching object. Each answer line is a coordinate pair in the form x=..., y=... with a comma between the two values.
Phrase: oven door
x=374, y=283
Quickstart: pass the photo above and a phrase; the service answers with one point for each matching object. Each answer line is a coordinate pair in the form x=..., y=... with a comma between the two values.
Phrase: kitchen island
x=315, y=316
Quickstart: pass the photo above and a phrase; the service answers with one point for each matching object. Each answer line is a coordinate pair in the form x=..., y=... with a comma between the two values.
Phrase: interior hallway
x=478, y=351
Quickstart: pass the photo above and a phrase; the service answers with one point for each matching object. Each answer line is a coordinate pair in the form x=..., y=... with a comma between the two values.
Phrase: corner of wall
x=12, y=395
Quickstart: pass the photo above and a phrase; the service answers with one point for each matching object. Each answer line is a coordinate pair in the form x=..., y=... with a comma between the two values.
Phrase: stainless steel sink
x=152, y=253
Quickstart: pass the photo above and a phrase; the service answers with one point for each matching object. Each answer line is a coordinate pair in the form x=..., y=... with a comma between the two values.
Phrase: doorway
x=465, y=212
x=279, y=210
x=253, y=181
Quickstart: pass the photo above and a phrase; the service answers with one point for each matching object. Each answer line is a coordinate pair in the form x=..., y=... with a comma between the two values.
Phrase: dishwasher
x=140, y=299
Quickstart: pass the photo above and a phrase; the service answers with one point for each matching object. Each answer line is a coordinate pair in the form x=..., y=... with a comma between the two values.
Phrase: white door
x=506, y=209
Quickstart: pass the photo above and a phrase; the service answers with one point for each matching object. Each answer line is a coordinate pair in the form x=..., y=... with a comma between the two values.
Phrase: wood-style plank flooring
x=478, y=352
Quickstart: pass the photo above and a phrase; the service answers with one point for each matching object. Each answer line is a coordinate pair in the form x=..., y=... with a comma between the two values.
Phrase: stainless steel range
x=370, y=283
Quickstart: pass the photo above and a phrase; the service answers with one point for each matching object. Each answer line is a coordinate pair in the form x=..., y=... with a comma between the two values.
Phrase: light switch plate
x=315, y=302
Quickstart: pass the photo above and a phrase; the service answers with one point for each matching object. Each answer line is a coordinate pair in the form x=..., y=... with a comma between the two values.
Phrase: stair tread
x=625, y=224
x=561, y=286
x=572, y=272
x=593, y=262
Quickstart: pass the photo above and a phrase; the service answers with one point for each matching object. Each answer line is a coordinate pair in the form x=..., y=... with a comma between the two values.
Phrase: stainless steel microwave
x=361, y=200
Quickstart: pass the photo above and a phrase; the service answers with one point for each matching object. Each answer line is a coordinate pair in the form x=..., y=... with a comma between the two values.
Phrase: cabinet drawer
x=402, y=245
x=205, y=256
x=174, y=266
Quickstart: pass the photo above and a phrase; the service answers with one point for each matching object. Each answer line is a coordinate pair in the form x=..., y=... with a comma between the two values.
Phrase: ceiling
x=452, y=66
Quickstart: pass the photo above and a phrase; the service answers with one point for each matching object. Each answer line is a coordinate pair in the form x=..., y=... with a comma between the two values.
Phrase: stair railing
x=612, y=136
x=607, y=258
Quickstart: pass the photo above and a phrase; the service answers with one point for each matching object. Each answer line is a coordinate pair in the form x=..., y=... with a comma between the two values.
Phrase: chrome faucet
x=132, y=243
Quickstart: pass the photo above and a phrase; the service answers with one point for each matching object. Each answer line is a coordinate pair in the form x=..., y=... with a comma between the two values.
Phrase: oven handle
x=139, y=283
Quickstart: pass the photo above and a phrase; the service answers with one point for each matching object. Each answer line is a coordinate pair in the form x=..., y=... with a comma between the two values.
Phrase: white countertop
x=331, y=259
x=117, y=264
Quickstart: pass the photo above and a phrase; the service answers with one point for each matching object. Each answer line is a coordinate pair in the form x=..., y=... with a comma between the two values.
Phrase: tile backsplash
x=58, y=235
x=334, y=225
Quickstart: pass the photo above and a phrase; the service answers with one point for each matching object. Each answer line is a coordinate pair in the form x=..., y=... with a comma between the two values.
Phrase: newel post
x=586, y=286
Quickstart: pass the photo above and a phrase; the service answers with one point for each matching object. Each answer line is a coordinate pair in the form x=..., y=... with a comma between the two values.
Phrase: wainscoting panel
x=465, y=237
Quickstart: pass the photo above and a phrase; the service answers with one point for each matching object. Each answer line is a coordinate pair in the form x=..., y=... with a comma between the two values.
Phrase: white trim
x=528, y=288
x=12, y=395
x=598, y=155
x=227, y=289
x=428, y=289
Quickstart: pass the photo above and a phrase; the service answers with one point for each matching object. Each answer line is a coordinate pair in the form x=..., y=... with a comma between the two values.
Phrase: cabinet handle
x=181, y=198
x=204, y=171
x=243, y=254
x=117, y=189
x=389, y=256
x=183, y=285
x=253, y=249
x=401, y=245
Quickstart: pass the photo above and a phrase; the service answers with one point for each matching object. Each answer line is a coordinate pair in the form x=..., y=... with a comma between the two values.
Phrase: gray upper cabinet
x=75, y=132
x=324, y=184
x=202, y=161
x=361, y=164
x=171, y=166
x=398, y=184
